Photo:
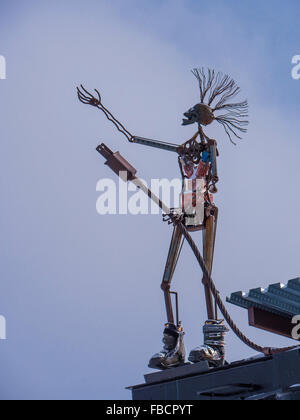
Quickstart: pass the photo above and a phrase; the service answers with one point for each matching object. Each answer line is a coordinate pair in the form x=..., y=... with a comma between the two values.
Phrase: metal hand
x=87, y=98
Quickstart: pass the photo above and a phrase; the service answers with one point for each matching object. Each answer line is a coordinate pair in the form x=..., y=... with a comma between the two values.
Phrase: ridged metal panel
x=277, y=298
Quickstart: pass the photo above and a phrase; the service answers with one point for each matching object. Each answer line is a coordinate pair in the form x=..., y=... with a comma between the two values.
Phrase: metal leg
x=213, y=350
x=173, y=255
x=173, y=353
x=209, y=236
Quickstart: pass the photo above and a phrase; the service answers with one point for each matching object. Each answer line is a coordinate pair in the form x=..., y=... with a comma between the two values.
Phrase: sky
x=81, y=292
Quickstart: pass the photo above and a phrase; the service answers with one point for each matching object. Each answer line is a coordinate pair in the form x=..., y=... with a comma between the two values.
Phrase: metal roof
x=277, y=298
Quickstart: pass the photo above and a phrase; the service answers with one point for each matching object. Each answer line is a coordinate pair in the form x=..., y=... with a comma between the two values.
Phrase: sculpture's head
x=217, y=90
x=200, y=113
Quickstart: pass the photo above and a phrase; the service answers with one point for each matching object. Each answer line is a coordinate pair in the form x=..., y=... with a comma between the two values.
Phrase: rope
x=265, y=350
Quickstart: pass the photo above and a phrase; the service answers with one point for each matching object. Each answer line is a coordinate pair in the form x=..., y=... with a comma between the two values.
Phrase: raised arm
x=191, y=149
x=95, y=100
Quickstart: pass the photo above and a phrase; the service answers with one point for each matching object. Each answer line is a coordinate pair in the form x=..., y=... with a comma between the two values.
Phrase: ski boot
x=213, y=350
x=173, y=353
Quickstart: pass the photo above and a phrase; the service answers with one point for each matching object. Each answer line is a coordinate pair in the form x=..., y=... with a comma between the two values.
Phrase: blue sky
x=80, y=292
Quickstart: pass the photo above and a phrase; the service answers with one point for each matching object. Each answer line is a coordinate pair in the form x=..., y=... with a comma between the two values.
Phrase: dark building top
x=274, y=377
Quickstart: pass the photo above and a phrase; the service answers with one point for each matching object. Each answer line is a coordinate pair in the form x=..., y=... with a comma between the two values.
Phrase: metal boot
x=213, y=350
x=173, y=353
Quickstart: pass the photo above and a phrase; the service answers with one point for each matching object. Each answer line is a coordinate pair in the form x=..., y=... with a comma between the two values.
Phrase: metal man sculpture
x=197, y=160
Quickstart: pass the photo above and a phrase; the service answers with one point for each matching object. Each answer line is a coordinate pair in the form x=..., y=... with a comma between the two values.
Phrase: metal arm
x=213, y=151
x=156, y=143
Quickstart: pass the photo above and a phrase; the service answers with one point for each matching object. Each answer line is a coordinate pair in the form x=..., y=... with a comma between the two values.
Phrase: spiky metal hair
x=220, y=89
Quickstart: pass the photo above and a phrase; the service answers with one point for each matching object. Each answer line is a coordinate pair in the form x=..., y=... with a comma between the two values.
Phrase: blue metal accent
x=205, y=157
